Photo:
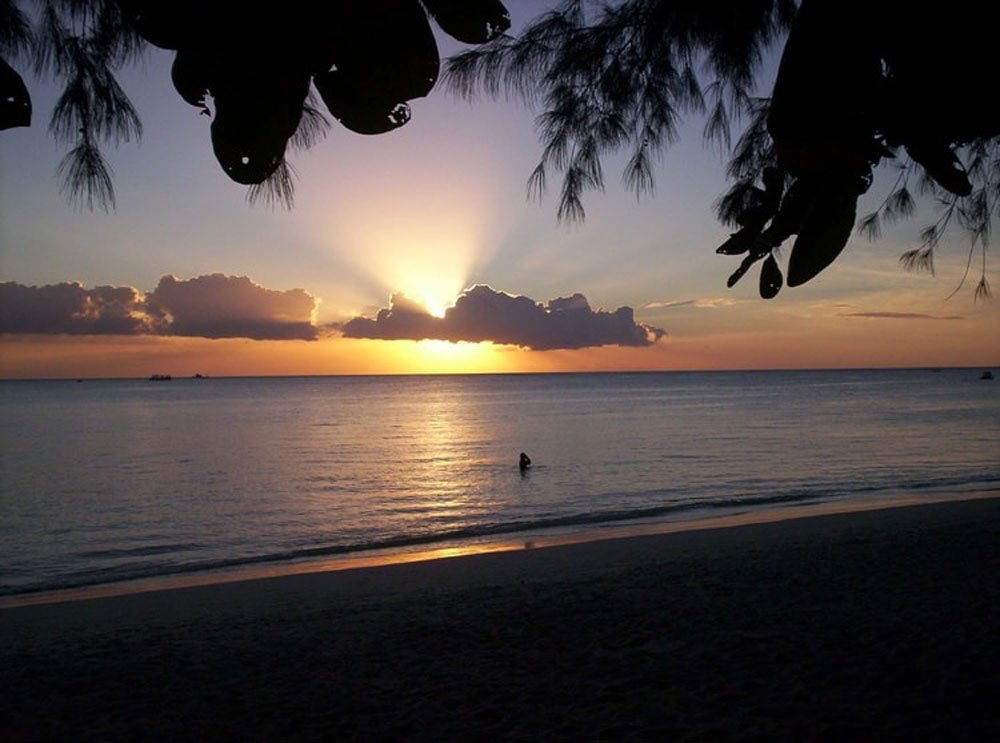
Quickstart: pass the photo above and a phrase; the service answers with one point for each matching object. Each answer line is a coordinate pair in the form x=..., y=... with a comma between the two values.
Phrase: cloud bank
x=484, y=314
x=69, y=308
x=213, y=306
x=219, y=306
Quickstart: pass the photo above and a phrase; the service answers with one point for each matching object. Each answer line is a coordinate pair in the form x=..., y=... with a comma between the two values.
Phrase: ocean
x=110, y=481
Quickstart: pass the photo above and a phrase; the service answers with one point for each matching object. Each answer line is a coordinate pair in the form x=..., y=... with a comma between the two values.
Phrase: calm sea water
x=105, y=481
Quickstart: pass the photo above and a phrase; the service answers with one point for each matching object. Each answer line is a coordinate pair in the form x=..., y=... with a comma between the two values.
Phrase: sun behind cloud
x=482, y=313
x=435, y=293
x=429, y=256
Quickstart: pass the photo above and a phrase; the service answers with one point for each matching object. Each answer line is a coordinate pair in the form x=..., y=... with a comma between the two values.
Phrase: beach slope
x=879, y=624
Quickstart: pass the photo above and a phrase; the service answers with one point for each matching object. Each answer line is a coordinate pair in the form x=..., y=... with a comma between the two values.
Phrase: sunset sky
x=424, y=214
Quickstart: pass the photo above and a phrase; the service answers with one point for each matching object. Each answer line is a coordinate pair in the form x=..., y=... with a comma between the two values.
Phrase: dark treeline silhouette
x=860, y=84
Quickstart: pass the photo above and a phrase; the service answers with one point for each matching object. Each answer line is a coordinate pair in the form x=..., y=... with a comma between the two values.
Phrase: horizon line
x=738, y=370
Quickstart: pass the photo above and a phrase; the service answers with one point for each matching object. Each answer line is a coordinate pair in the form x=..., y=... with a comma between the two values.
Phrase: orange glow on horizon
x=68, y=357
x=745, y=336
x=442, y=357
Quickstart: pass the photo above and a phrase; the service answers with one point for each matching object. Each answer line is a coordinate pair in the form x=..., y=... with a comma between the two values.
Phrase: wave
x=665, y=512
x=153, y=549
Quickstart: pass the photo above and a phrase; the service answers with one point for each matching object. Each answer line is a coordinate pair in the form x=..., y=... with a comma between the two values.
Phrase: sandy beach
x=870, y=625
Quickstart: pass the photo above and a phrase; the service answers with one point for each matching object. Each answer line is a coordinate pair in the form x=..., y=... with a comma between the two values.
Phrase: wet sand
x=869, y=625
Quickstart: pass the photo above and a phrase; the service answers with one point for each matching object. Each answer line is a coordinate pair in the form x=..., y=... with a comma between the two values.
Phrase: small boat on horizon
x=160, y=378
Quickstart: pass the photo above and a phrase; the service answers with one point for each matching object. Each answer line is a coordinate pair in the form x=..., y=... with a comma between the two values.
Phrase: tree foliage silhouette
x=861, y=84
x=257, y=70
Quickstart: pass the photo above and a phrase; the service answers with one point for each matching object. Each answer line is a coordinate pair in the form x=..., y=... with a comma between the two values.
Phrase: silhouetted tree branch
x=255, y=69
x=860, y=84
x=856, y=87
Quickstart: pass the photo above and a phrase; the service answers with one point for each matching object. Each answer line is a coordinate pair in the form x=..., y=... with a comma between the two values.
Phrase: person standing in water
x=525, y=462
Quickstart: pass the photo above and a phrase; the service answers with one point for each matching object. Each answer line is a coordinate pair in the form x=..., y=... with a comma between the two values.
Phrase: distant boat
x=160, y=378
x=986, y=375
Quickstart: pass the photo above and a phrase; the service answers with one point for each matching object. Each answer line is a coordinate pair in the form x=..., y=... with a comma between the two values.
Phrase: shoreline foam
x=447, y=549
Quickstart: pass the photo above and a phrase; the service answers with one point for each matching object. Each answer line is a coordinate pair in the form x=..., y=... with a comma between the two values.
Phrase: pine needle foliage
x=621, y=77
x=83, y=43
x=612, y=77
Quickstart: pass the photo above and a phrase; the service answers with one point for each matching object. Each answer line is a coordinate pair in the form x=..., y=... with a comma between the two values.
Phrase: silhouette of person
x=525, y=462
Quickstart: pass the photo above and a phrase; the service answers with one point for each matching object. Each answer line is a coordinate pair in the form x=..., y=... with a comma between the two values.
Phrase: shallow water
x=103, y=481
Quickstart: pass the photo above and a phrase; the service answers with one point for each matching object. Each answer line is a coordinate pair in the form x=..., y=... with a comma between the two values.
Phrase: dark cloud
x=219, y=306
x=69, y=308
x=901, y=316
x=483, y=314
x=215, y=306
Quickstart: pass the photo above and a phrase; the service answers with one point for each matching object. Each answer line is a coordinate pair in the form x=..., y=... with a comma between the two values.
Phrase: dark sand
x=880, y=625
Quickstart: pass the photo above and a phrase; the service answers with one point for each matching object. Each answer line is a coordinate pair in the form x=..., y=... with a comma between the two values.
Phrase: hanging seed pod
x=824, y=232
x=742, y=269
x=192, y=74
x=257, y=110
x=770, y=278
x=171, y=24
x=470, y=21
x=15, y=101
x=941, y=164
x=380, y=60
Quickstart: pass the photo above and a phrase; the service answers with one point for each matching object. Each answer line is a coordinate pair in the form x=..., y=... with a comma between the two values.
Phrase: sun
x=436, y=293
x=434, y=306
